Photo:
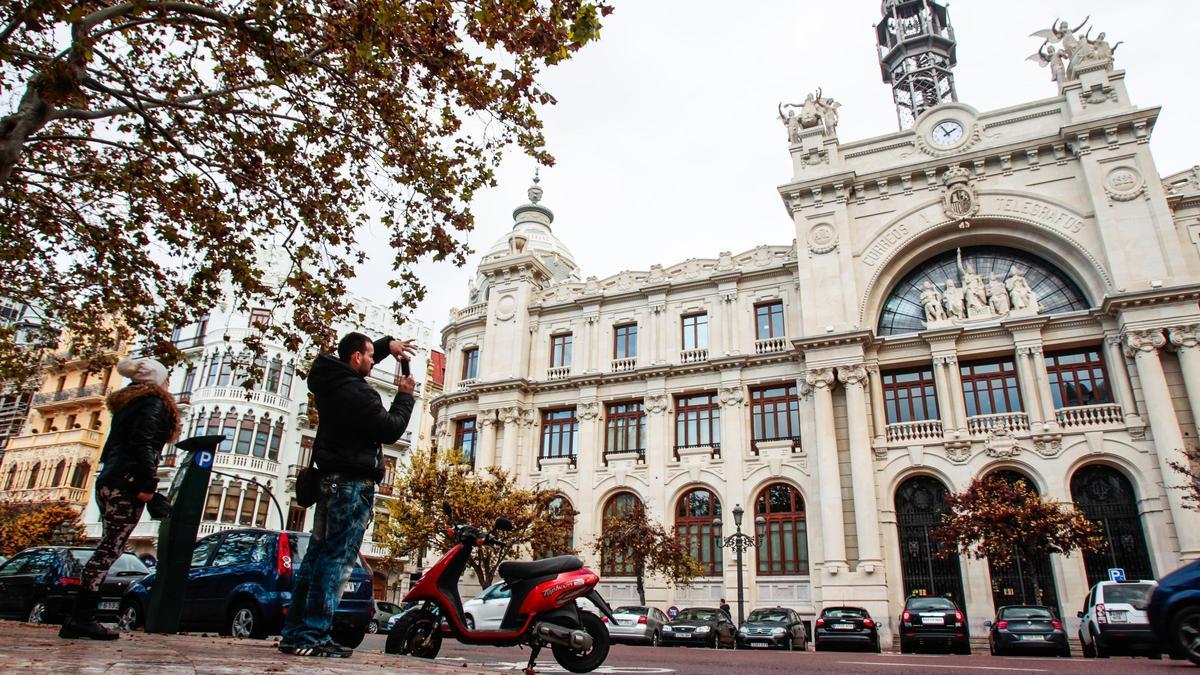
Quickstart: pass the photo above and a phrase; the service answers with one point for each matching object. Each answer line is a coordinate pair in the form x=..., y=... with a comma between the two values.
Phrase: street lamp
x=740, y=543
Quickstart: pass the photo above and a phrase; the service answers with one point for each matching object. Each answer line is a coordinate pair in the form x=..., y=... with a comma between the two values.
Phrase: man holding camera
x=349, y=460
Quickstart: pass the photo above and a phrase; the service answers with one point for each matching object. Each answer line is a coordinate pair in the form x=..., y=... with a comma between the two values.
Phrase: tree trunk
x=15, y=129
x=639, y=571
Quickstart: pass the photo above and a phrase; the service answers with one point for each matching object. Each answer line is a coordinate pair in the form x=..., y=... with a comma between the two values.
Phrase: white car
x=486, y=610
x=1114, y=620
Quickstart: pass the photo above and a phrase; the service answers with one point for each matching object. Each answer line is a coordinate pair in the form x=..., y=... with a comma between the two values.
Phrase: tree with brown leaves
x=631, y=540
x=153, y=153
x=416, y=524
x=22, y=526
x=1007, y=521
x=1190, y=472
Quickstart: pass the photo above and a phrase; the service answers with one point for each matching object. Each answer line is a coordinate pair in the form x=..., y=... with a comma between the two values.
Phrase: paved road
x=631, y=660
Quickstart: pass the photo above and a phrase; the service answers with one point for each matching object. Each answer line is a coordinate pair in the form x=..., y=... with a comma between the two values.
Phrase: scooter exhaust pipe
x=578, y=640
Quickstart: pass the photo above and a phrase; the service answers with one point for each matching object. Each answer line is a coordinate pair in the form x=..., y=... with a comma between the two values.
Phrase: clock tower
x=916, y=55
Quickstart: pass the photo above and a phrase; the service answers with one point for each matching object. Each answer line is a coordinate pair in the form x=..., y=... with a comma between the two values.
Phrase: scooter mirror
x=503, y=525
x=446, y=509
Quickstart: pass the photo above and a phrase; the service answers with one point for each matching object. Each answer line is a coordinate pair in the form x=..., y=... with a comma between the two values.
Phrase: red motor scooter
x=542, y=610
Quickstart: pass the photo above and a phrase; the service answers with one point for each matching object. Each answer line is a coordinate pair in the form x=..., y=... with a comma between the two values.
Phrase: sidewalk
x=29, y=648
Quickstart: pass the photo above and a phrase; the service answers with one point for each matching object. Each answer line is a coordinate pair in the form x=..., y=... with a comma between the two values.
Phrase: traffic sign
x=672, y=612
x=1116, y=573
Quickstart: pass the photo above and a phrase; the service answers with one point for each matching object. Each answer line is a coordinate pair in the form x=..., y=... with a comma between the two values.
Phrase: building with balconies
x=1011, y=291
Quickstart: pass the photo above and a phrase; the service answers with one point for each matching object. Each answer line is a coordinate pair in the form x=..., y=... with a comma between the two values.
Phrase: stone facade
x=1065, y=186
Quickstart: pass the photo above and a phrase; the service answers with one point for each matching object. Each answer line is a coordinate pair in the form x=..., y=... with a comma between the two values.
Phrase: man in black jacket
x=349, y=458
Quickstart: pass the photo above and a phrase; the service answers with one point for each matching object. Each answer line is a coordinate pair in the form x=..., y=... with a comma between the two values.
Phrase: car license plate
x=843, y=626
x=108, y=605
x=350, y=587
x=933, y=620
x=759, y=645
x=1118, y=616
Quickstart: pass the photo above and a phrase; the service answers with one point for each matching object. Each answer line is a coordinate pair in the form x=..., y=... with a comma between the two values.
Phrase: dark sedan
x=845, y=627
x=933, y=622
x=702, y=627
x=39, y=584
x=1024, y=629
x=1174, y=612
x=777, y=627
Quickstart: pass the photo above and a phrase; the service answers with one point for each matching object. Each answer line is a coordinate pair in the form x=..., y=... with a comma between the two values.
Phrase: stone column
x=658, y=321
x=1186, y=340
x=510, y=416
x=941, y=384
x=833, y=529
x=728, y=319
x=878, y=409
x=1027, y=376
x=1143, y=345
x=862, y=468
x=955, y=392
x=485, y=454
x=659, y=451
x=1043, y=386
x=1118, y=375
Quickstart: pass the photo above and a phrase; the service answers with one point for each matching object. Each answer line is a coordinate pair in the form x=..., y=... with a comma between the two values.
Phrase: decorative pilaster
x=878, y=409
x=485, y=456
x=658, y=319
x=1027, y=377
x=862, y=468
x=1118, y=374
x=1043, y=387
x=829, y=482
x=729, y=322
x=511, y=417
x=954, y=393
x=1143, y=346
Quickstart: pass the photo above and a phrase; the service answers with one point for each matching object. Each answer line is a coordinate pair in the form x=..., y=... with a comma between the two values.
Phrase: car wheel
x=1065, y=652
x=245, y=621
x=37, y=612
x=992, y=648
x=1185, y=633
x=1099, y=649
x=129, y=618
x=655, y=639
x=905, y=647
x=373, y=627
x=716, y=642
x=469, y=622
x=416, y=633
x=348, y=637
x=1089, y=651
x=963, y=649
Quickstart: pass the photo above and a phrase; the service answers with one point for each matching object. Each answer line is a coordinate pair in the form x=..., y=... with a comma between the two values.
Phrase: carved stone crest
x=822, y=238
x=1123, y=184
x=958, y=452
x=589, y=410
x=1048, y=447
x=959, y=200
x=656, y=404
x=1000, y=442
x=732, y=396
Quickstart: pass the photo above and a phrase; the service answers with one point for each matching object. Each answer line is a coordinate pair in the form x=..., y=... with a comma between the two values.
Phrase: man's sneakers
x=328, y=649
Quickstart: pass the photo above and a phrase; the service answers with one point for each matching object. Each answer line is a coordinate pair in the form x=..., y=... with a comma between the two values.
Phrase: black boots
x=82, y=621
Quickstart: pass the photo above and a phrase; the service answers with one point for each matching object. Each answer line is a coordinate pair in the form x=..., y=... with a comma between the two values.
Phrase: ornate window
x=903, y=311
x=626, y=427
x=695, y=331
x=273, y=374
x=212, y=506
x=909, y=395
x=465, y=436
x=285, y=387
x=775, y=413
x=245, y=434
x=214, y=422
x=80, y=475
x=59, y=472
x=246, y=517
x=768, y=320
x=214, y=365
x=229, y=510
x=559, y=431
x=276, y=439
x=261, y=435
x=625, y=341
x=33, y=476
x=785, y=547
x=1078, y=378
x=1107, y=499
x=694, y=516
x=226, y=374
x=990, y=387
x=697, y=421
x=617, y=565
x=562, y=514
x=470, y=369
x=920, y=504
x=228, y=427
x=560, y=350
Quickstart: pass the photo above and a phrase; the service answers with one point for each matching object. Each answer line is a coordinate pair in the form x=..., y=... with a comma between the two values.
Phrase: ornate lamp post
x=740, y=543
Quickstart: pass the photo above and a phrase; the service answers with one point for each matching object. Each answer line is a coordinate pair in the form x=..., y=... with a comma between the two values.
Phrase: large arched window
x=1106, y=498
x=903, y=311
x=920, y=504
x=59, y=472
x=694, y=516
x=33, y=476
x=785, y=547
x=80, y=475
x=617, y=565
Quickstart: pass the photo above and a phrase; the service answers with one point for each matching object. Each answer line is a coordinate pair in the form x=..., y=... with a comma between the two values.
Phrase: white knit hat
x=143, y=371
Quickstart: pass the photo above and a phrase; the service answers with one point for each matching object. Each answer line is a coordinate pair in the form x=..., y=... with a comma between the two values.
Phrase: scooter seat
x=513, y=570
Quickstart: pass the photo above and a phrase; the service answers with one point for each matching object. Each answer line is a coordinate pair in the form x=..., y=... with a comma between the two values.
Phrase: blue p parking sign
x=204, y=459
x=1116, y=573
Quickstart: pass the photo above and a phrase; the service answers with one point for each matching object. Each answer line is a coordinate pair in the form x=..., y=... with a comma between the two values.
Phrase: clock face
x=947, y=134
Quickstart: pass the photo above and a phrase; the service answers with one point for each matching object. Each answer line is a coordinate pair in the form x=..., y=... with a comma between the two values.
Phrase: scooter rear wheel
x=585, y=662
x=417, y=633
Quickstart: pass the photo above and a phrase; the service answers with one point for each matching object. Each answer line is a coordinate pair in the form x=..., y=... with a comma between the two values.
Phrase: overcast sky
x=668, y=143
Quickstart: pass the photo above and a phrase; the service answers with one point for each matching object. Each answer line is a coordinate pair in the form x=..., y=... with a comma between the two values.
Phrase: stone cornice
x=1114, y=304
x=863, y=337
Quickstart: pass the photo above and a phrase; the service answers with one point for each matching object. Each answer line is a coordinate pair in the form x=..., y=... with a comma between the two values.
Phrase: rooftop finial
x=535, y=191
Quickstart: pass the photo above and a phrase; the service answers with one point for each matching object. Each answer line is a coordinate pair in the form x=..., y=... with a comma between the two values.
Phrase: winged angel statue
x=1065, y=52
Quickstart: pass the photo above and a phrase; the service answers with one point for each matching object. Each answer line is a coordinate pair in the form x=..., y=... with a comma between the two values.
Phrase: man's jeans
x=343, y=513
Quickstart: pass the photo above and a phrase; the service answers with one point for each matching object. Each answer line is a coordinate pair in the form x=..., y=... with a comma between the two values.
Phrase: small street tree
x=416, y=524
x=1189, y=470
x=630, y=538
x=1009, y=522
x=22, y=526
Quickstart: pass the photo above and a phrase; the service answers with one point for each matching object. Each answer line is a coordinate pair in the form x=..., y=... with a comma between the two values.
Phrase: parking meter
x=177, y=533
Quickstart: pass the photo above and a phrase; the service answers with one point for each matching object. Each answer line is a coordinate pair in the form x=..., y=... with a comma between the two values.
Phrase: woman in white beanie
x=144, y=419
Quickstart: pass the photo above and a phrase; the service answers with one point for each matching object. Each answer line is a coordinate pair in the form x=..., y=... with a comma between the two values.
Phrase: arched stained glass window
x=694, y=515
x=903, y=311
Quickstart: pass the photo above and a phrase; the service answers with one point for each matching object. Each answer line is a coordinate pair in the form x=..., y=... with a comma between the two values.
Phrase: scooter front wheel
x=585, y=662
x=417, y=633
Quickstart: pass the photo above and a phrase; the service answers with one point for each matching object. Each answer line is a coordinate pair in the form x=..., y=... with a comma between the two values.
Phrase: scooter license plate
x=350, y=587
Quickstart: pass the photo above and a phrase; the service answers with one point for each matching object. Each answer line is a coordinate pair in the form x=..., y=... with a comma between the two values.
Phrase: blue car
x=240, y=584
x=1174, y=612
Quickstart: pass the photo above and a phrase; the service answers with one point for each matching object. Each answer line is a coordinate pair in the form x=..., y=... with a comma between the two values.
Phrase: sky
x=667, y=137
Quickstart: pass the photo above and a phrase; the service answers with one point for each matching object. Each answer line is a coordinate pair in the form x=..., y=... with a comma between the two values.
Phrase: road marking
x=933, y=665
x=555, y=668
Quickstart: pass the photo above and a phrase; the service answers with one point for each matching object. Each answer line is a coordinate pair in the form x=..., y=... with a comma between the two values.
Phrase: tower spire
x=916, y=55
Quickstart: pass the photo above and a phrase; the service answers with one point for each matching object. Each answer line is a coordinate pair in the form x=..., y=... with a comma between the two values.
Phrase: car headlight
x=779, y=632
x=741, y=631
x=703, y=629
x=668, y=629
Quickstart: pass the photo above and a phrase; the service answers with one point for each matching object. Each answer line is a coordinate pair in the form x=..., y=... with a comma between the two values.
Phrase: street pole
x=740, y=543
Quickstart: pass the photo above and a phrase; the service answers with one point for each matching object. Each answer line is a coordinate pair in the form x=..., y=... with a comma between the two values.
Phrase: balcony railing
x=639, y=452
x=715, y=448
x=478, y=309
x=246, y=462
x=624, y=365
x=795, y=440
x=45, y=495
x=466, y=383
x=190, y=342
x=1015, y=421
x=183, y=397
x=771, y=345
x=243, y=394
x=92, y=390
x=919, y=430
x=693, y=355
x=86, y=437
x=558, y=373
x=1077, y=417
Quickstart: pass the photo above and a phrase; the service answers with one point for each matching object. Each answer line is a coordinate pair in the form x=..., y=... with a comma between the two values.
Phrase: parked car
x=1174, y=612
x=384, y=611
x=486, y=610
x=1114, y=620
x=240, y=583
x=636, y=624
x=845, y=627
x=701, y=626
x=933, y=622
x=39, y=584
x=773, y=627
x=1023, y=629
